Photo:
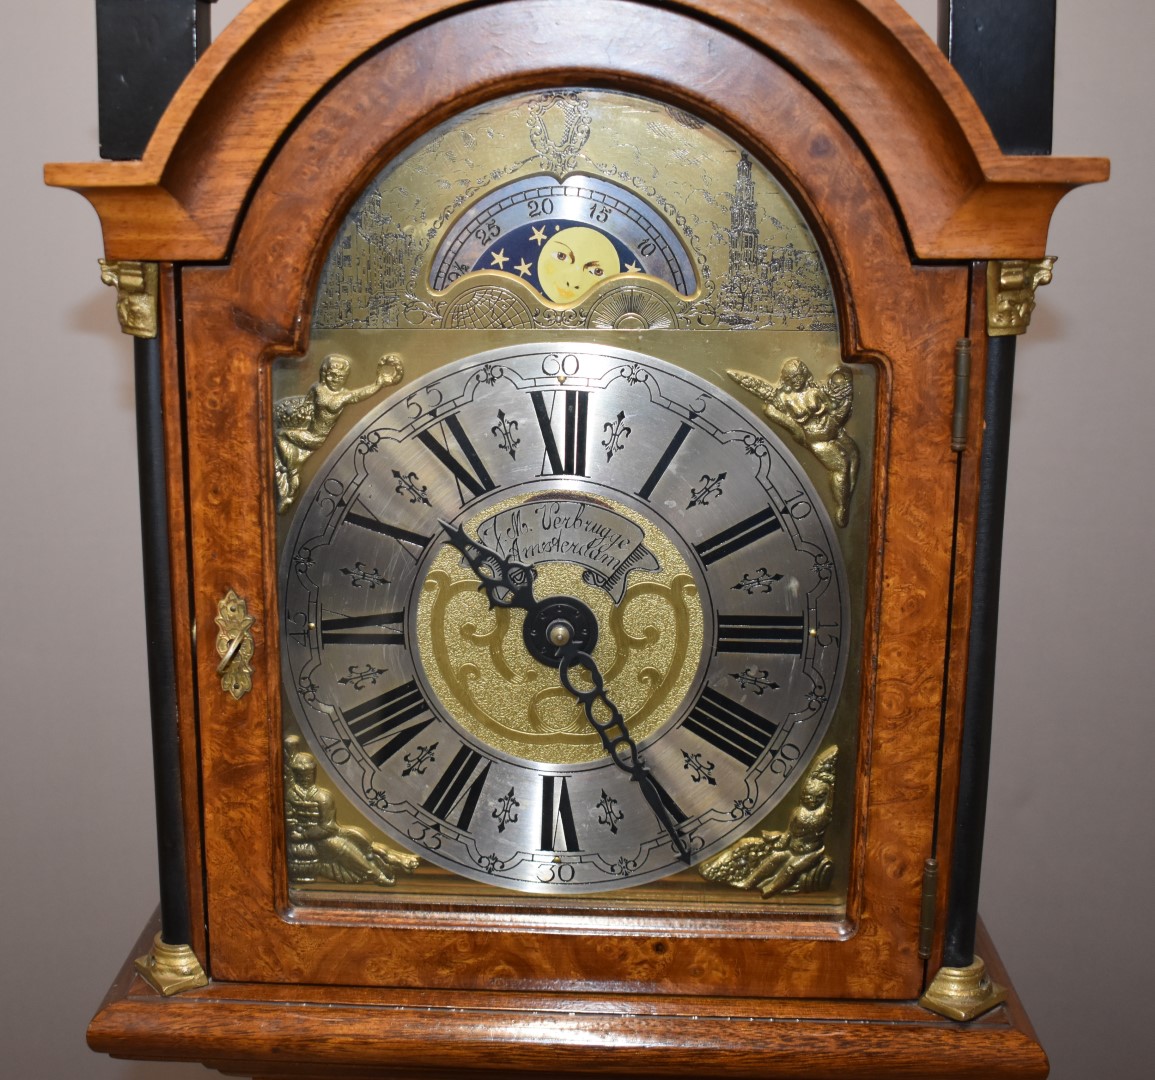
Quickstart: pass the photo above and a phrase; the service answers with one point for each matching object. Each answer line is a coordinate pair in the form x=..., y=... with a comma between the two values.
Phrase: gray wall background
x=1068, y=875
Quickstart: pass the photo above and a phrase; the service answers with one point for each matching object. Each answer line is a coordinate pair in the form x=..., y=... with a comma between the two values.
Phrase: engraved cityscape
x=755, y=270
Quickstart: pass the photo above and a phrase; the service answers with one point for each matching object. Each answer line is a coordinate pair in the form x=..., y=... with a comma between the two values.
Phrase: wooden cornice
x=958, y=196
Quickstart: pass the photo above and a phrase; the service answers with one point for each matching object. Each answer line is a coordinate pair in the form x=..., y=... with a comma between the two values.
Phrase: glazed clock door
x=546, y=442
x=524, y=637
x=562, y=616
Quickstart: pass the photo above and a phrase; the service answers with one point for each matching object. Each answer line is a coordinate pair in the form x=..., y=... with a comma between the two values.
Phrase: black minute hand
x=509, y=584
x=618, y=743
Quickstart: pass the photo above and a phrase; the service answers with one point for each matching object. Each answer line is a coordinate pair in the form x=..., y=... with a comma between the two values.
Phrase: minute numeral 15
x=776, y=634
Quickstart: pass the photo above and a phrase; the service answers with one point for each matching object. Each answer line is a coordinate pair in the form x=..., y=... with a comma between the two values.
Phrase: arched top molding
x=959, y=197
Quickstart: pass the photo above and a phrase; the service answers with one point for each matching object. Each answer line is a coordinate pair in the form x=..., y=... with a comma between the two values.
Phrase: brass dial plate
x=508, y=442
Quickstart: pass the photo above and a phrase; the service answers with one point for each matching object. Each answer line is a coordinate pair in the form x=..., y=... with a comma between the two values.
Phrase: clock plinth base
x=170, y=969
x=340, y=1033
x=963, y=993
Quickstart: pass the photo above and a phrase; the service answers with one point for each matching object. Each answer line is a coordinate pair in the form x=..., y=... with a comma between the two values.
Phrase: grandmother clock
x=568, y=426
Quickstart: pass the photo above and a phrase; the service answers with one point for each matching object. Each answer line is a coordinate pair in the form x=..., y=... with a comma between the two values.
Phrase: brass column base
x=170, y=969
x=963, y=993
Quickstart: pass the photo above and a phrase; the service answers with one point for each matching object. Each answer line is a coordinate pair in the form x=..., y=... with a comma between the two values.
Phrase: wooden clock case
x=269, y=141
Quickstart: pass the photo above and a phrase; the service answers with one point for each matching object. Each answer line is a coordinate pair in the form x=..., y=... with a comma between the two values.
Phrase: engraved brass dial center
x=494, y=669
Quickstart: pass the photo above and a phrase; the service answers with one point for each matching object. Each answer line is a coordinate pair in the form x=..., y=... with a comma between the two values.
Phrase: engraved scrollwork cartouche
x=318, y=847
x=793, y=861
x=815, y=414
x=558, y=150
x=137, y=287
x=234, y=646
x=303, y=422
x=1011, y=286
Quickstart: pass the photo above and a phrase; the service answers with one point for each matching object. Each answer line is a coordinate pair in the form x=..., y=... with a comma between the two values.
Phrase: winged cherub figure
x=815, y=414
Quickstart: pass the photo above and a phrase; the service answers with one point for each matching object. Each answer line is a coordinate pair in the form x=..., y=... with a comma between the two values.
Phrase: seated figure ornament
x=793, y=861
x=319, y=847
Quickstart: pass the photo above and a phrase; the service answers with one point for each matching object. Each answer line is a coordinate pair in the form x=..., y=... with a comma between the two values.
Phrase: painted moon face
x=573, y=261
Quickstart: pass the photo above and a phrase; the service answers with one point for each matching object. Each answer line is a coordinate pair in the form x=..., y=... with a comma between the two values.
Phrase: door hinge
x=926, y=916
x=962, y=392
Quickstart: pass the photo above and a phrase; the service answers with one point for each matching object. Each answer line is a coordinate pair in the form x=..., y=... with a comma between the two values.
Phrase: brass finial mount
x=963, y=993
x=171, y=969
x=137, y=287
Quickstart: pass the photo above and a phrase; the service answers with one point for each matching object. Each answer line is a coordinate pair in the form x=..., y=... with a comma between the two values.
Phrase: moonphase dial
x=563, y=238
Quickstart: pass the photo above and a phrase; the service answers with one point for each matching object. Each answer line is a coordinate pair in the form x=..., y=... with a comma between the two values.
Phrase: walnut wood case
x=255, y=164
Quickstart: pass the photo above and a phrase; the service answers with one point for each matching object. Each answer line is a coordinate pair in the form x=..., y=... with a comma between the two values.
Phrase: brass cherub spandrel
x=793, y=861
x=318, y=847
x=303, y=422
x=815, y=414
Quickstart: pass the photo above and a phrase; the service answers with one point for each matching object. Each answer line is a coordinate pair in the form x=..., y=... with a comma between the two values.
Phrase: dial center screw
x=556, y=624
x=559, y=633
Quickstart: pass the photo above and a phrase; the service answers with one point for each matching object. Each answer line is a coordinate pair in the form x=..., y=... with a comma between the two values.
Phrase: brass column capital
x=1011, y=285
x=137, y=287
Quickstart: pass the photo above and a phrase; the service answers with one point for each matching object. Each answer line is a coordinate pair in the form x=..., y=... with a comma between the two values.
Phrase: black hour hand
x=506, y=582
